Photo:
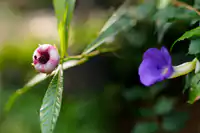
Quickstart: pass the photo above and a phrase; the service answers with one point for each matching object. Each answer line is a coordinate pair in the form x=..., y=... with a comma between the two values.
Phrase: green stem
x=184, y=68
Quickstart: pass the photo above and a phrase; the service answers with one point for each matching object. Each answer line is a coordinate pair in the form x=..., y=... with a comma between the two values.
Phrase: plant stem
x=189, y=7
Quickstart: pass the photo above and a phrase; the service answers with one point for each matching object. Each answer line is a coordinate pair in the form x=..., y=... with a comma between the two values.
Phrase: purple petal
x=149, y=74
x=166, y=55
x=170, y=71
x=156, y=54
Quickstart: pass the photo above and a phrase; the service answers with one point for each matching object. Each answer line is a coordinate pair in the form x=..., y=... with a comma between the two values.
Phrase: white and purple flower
x=46, y=58
x=156, y=66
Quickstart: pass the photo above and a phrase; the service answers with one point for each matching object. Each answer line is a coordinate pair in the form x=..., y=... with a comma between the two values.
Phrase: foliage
x=142, y=26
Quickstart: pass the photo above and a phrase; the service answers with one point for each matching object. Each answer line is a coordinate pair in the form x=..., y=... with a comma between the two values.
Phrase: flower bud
x=46, y=58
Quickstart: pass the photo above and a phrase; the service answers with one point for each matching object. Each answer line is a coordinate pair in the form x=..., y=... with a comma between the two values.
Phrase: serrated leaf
x=194, y=92
x=145, y=127
x=187, y=35
x=163, y=105
x=118, y=22
x=51, y=104
x=194, y=47
x=64, y=12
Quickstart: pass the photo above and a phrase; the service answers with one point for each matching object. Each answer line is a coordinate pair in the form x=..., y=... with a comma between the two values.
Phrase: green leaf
x=163, y=105
x=197, y=4
x=35, y=80
x=163, y=3
x=145, y=127
x=135, y=93
x=171, y=13
x=188, y=79
x=64, y=12
x=59, y=8
x=146, y=112
x=175, y=121
x=194, y=92
x=51, y=104
x=194, y=47
x=188, y=34
x=119, y=21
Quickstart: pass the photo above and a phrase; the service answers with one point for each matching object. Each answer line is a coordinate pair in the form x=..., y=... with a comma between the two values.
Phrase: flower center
x=44, y=58
x=164, y=71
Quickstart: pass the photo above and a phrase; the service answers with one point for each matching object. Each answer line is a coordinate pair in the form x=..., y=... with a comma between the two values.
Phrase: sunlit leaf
x=194, y=92
x=188, y=34
x=163, y=3
x=64, y=12
x=118, y=22
x=51, y=104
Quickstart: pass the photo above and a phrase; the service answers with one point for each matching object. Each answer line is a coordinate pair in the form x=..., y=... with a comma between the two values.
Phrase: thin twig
x=189, y=7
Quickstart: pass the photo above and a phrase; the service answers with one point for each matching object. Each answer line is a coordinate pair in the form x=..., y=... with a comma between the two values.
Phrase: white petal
x=49, y=67
x=54, y=54
x=44, y=47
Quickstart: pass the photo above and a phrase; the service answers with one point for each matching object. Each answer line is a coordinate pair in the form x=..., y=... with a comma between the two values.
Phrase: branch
x=189, y=7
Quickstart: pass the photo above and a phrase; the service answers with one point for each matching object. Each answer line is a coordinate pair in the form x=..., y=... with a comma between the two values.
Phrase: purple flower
x=156, y=66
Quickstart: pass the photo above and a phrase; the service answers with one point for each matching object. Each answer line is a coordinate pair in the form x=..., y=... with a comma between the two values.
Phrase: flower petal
x=166, y=55
x=156, y=54
x=149, y=74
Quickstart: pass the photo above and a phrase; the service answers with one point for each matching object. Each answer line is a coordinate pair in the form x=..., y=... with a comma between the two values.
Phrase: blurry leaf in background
x=192, y=33
x=135, y=93
x=161, y=28
x=145, y=127
x=163, y=3
x=89, y=29
x=119, y=21
x=163, y=105
x=197, y=4
x=194, y=47
x=146, y=112
x=157, y=88
x=174, y=121
x=171, y=13
x=144, y=10
x=194, y=92
x=51, y=104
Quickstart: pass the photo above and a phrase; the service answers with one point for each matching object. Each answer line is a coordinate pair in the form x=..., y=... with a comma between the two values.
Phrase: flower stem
x=184, y=68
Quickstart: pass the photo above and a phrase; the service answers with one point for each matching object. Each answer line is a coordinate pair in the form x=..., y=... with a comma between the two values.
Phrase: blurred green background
x=103, y=95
